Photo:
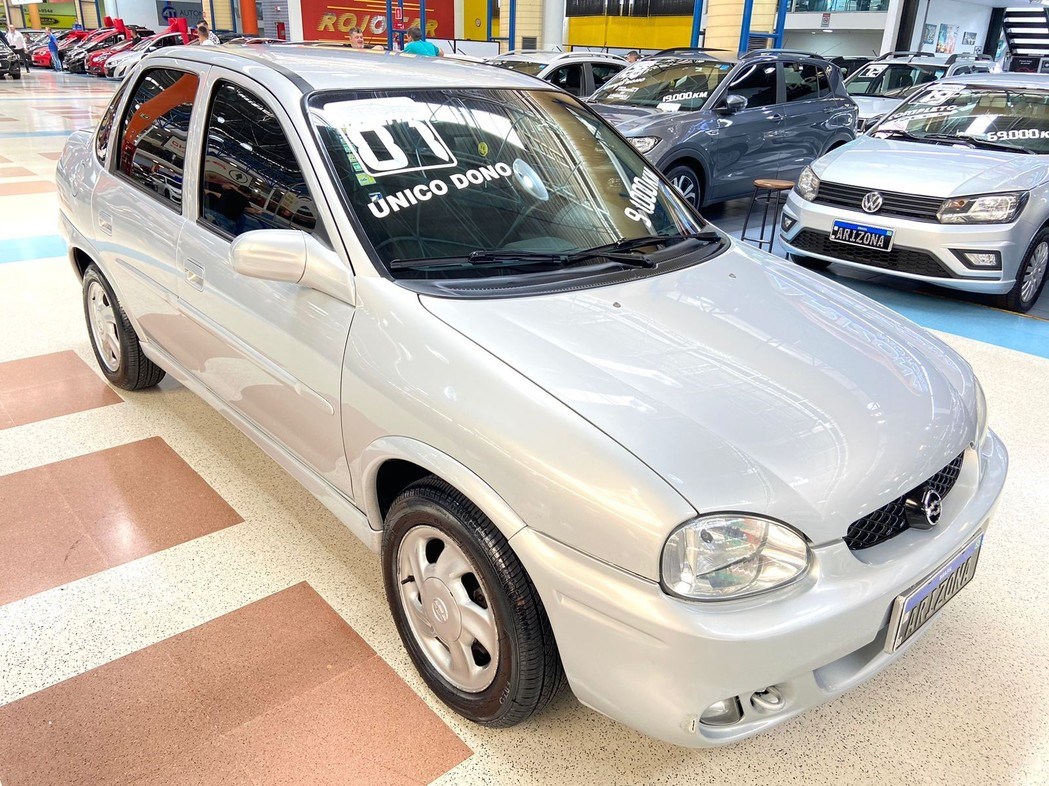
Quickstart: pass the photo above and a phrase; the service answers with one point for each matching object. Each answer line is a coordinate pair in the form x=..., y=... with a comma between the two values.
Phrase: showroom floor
x=175, y=609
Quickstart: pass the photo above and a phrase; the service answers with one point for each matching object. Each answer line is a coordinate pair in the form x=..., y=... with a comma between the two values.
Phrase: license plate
x=913, y=609
x=862, y=235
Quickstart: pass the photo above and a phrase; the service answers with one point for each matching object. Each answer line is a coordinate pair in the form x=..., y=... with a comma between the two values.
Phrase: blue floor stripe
x=20, y=249
x=1014, y=331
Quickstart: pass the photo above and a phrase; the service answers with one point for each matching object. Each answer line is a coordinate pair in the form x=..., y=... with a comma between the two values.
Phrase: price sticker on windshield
x=935, y=96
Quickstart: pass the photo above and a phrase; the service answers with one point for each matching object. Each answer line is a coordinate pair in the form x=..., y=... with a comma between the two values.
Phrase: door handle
x=105, y=222
x=776, y=118
x=194, y=275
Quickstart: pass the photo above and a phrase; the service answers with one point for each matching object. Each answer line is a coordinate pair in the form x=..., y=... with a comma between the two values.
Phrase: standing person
x=17, y=42
x=52, y=47
x=205, y=37
x=417, y=46
x=356, y=37
x=633, y=56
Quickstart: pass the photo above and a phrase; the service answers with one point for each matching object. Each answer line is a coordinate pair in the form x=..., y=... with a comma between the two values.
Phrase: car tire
x=17, y=73
x=506, y=668
x=1030, y=277
x=810, y=262
x=113, y=339
x=688, y=183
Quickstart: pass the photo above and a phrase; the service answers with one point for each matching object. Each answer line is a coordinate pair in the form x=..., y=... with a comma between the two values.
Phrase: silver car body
x=120, y=64
x=571, y=71
x=587, y=425
x=931, y=172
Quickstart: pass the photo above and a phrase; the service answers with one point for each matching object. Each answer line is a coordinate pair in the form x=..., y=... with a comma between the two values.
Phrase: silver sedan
x=591, y=436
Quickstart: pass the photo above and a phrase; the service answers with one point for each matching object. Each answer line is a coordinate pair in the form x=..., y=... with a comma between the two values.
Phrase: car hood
x=747, y=383
x=930, y=169
x=639, y=120
x=875, y=106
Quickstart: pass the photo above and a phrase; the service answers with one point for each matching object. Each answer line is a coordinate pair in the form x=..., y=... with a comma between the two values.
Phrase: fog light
x=980, y=260
x=768, y=700
x=722, y=713
x=787, y=222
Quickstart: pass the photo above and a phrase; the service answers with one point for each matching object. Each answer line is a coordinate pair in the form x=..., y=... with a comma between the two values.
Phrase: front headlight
x=731, y=556
x=808, y=184
x=644, y=144
x=989, y=209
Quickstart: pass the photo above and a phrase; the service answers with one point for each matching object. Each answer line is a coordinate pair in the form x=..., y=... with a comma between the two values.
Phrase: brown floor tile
x=8, y=160
x=67, y=520
x=241, y=680
x=53, y=156
x=150, y=717
x=16, y=171
x=364, y=726
x=48, y=386
x=26, y=187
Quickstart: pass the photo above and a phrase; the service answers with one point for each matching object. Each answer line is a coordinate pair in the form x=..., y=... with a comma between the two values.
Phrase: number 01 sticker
x=390, y=137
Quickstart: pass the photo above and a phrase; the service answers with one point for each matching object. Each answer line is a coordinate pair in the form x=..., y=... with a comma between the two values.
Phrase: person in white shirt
x=205, y=37
x=17, y=42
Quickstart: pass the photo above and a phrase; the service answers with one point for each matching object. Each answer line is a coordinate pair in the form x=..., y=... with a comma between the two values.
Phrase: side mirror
x=733, y=103
x=292, y=256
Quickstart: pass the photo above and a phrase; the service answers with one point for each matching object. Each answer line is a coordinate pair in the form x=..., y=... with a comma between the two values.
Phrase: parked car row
x=590, y=435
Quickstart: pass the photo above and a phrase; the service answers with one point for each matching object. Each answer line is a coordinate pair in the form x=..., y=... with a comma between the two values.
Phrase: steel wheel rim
x=686, y=186
x=448, y=611
x=1035, y=271
x=103, y=323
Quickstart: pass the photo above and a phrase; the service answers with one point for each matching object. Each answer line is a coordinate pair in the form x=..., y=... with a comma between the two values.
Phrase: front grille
x=890, y=520
x=903, y=260
x=918, y=208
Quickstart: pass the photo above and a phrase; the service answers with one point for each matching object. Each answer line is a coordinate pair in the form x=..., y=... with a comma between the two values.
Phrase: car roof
x=1037, y=81
x=549, y=56
x=338, y=68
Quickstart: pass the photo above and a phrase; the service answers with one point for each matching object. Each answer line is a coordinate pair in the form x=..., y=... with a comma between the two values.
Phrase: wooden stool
x=773, y=193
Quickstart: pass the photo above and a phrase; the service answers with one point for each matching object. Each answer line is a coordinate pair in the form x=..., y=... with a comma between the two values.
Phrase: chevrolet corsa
x=590, y=436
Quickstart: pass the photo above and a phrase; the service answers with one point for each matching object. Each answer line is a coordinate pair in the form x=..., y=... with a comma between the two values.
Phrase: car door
x=271, y=350
x=804, y=133
x=137, y=202
x=602, y=72
x=571, y=78
x=746, y=140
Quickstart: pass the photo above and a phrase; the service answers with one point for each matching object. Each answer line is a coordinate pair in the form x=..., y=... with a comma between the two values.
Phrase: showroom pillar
x=33, y=14
x=249, y=18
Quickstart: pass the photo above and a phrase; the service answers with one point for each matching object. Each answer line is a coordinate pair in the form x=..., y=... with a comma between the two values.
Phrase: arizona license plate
x=861, y=235
x=913, y=609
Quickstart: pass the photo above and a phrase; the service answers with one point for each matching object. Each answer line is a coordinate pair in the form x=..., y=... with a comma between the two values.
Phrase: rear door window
x=603, y=72
x=801, y=81
x=154, y=131
x=569, y=78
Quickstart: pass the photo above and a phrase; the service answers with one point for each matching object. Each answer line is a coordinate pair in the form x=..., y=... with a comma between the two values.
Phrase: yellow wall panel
x=653, y=32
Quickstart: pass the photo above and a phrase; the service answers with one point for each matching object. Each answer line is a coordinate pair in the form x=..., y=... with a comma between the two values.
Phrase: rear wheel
x=1030, y=277
x=810, y=262
x=688, y=183
x=465, y=609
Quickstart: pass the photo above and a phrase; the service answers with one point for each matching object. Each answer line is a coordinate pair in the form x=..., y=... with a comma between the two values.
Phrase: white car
x=579, y=73
x=590, y=435
x=118, y=66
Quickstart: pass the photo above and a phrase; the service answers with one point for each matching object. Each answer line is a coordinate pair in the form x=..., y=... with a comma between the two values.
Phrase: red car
x=96, y=61
x=66, y=40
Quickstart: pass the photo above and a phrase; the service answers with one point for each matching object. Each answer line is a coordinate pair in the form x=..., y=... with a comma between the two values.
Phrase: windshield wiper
x=899, y=135
x=987, y=143
x=479, y=257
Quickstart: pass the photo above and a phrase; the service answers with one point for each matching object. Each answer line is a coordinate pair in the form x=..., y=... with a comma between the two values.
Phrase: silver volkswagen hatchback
x=590, y=435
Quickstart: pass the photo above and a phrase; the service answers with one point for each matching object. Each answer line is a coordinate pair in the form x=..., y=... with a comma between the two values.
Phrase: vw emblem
x=872, y=202
x=440, y=611
x=932, y=506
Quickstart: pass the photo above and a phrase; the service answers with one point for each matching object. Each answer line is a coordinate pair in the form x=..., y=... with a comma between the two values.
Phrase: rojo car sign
x=333, y=20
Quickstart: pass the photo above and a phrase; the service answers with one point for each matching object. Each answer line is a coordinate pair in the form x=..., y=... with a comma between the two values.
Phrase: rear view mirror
x=292, y=256
x=733, y=103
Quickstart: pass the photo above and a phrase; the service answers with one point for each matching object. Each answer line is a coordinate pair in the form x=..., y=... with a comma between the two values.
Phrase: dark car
x=10, y=63
x=713, y=125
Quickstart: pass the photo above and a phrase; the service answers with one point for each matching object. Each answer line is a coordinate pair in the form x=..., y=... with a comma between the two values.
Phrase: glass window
x=602, y=73
x=251, y=179
x=154, y=130
x=106, y=125
x=891, y=80
x=457, y=183
x=801, y=81
x=671, y=84
x=823, y=81
x=756, y=83
x=569, y=78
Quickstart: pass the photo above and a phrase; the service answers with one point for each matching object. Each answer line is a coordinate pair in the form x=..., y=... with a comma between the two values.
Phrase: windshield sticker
x=664, y=106
x=937, y=95
x=382, y=206
x=1025, y=133
x=873, y=70
x=644, y=193
x=687, y=96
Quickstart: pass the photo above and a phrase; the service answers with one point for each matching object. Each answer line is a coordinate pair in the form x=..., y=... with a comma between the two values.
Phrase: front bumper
x=655, y=663
x=937, y=240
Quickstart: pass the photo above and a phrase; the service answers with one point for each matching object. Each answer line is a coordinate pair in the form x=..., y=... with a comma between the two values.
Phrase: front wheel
x=687, y=181
x=465, y=609
x=1030, y=277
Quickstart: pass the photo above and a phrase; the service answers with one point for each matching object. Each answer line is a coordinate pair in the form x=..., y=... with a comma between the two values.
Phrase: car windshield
x=669, y=84
x=442, y=180
x=142, y=44
x=892, y=80
x=977, y=116
x=521, y=66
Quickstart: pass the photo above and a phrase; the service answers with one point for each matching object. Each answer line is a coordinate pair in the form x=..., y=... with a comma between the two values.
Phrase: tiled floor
x=175, y=609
